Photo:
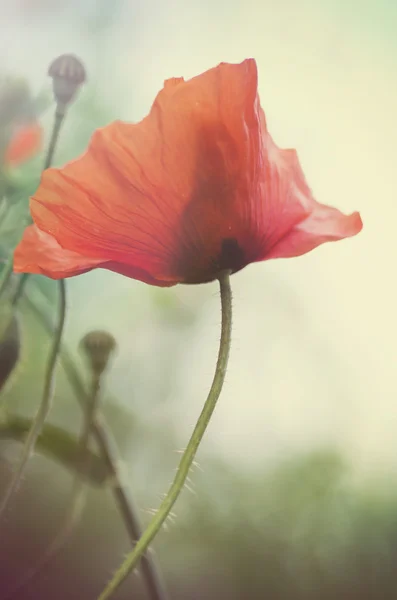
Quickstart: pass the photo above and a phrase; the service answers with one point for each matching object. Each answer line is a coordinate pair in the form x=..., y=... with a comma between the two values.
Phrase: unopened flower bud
x=68, y=74
x=10, y=343
x=98, y=346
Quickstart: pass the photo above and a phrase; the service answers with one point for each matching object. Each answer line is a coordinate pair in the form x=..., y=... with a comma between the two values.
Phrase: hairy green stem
x=154, y=526
x=45, y=404
x=125, y=502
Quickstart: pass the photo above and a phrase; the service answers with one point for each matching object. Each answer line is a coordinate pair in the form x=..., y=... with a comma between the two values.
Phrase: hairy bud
x=68, y=74
x=98, y=346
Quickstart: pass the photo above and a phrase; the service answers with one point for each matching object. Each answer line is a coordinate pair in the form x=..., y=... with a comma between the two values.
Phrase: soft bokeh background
x=297, y=493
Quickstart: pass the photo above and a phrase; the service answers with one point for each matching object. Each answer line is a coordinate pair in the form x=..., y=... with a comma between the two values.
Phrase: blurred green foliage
x=59, y=445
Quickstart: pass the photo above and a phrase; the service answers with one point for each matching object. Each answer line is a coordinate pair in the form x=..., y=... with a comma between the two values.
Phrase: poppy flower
x=195, y=188
x=25, y=142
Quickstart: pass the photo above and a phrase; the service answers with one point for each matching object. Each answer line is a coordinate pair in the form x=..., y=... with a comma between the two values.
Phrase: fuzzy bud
x=98, y=346
x=68, y=74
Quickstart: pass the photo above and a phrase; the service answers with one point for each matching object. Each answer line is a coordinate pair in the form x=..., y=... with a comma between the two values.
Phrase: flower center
x=231, y=256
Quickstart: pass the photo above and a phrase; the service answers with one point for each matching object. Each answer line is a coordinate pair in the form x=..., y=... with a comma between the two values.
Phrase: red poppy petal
x=196, y=187
x=39, y=252
x=291, y=220
x=126, y=198
x=24, y=144
x=285, y=197
x=324, y=224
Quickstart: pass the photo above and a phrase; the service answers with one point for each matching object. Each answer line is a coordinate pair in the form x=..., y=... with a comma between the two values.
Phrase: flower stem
x=45, y=404
x=58, y=120
x=188, y=456
x=124, y=500
x=20, y=289
x=6, y=274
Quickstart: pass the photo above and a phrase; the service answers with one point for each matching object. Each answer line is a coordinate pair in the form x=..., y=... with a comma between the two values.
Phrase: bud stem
x=188, y=456
x=45, y=404
x=44, y=407
x=59, y=117
x=20, y=289
x=6, y=274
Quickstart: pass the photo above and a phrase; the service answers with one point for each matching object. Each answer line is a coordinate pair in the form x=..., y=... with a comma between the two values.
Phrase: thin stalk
x=154, y=526
x=58, y=120
x=44, y=407
x=45, y=404
x=20, y=289
x=6, y=274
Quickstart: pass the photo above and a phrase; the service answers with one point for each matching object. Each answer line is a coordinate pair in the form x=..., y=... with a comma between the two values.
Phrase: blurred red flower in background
x=197, y=187
x=25, y=143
